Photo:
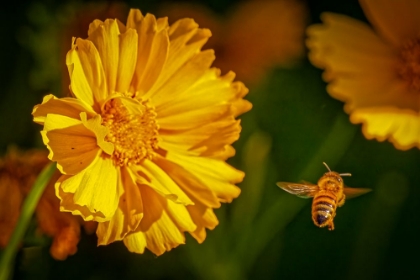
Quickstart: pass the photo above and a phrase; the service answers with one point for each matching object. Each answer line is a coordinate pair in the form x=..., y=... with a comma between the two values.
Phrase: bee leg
x=341, y=201
x=331, y=225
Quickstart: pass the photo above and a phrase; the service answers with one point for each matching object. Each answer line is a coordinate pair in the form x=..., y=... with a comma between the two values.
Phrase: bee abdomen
x=323, y=209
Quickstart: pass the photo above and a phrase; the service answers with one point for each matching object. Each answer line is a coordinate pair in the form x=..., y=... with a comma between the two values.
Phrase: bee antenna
x=345, y=174
x=327, y=166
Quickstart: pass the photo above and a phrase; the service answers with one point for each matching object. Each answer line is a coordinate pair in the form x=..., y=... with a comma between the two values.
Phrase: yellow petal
x=195, y=118
x=73, y=148
x=136, y=242
x=127, y=60
x=149, y=173
x=95, y=187
x=115, y=229
x=397, y=21
x=180, y=216
x=69, y=107
x=195, y=95
x=128, y=215
x=95, y=125
x=79, y=84
x=93, y=70
x=67, y=203
x=204, y=218
x=239, y=105
x=153, y=207
x=189, y=183
x=55, y=121
x=133, y=106
x=341, y=36
x=218, y=145
x=182, y=77
x=74, y=143
x=162, y=236
x=359, y=65
x=365, y=92
x=218, y=176
x=399, y=126
x=152, y=49
x=164, y=232
x=94, y=25
x=106, y=38
x=197, y=98
x=208, y=139
x=184, y=52
x=132, y=205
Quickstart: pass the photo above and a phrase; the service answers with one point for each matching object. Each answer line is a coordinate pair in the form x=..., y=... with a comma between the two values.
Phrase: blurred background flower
x=375, y=70
x=18, y=171
x=252, y=37
x=265, y=233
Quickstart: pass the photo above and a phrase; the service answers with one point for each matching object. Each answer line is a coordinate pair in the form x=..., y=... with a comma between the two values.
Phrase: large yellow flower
x=143, y=143
x=375, y=71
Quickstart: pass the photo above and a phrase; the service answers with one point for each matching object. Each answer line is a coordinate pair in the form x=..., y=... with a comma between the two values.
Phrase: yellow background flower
x=374, y=70
x=143, y=143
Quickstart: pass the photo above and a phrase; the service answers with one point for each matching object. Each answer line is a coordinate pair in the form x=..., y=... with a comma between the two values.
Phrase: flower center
x=409, y=68
x=132, y=129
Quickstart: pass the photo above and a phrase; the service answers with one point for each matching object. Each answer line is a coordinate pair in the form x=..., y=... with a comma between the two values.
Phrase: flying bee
x=328, y=194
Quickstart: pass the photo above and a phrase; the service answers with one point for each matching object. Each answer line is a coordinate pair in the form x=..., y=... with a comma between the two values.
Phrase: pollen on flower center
x=409, y=66
x=132, y=129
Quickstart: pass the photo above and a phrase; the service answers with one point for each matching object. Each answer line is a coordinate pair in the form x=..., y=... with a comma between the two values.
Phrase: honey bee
x=328, y=194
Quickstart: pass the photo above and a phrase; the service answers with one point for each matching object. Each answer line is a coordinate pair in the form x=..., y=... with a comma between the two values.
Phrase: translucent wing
x=306, y=190
x=355, y=192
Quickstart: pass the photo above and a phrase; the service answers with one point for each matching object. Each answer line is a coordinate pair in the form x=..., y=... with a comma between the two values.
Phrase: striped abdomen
x=323, y=209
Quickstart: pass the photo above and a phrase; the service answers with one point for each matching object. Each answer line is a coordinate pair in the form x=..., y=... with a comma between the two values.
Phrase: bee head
x=332, y=178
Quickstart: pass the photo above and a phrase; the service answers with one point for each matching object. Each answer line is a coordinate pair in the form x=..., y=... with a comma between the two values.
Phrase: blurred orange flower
x=374, y=70
x=254, y=37
x=143, y=141
x=18, y=171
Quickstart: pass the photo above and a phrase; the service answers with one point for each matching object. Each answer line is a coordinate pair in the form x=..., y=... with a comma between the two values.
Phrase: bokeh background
x=294, y=126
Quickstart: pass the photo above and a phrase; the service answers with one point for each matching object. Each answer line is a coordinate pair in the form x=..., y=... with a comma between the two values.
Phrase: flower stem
x=27, y=211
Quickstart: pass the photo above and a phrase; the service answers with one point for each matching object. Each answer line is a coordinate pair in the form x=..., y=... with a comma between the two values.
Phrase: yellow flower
x=254, y=37
x=18, y=171
x=142, y=144
x=374, y=70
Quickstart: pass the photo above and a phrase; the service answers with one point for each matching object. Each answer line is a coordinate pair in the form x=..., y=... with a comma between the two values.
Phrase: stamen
x=133, y=132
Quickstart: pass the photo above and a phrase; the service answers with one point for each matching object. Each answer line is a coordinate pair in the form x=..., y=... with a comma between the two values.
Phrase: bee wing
x=355, y=192
x=306, y=190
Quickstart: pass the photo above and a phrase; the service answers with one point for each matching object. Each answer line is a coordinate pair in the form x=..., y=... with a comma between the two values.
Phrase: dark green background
x=376, y=235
